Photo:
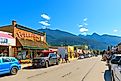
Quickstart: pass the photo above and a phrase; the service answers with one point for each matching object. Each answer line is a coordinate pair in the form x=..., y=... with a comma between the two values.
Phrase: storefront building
x=7, y=42
x=29, y=42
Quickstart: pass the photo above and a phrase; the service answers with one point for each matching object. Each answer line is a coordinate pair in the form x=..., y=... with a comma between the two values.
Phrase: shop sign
x=27, y=35
x=7, y=42
x=3, y=40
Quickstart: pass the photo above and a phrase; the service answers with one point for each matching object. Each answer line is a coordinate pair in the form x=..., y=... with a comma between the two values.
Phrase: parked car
x=45, y=60
x=114, y=67
x=9, y=65
x=81, y=56
x=116, y=70
x=113, y=60
x=86, y=55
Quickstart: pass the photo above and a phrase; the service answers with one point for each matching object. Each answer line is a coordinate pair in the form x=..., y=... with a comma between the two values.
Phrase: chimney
x=14, y=23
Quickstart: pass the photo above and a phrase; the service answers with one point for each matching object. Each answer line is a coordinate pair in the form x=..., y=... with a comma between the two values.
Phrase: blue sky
x=103, y=16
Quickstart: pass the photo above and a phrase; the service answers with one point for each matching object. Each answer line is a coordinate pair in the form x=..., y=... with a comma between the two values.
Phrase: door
x=53, y=58
x=5, y=65
x=1, y=69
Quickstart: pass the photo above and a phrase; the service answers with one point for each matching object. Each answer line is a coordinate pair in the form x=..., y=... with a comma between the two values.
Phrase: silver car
x=116, y=68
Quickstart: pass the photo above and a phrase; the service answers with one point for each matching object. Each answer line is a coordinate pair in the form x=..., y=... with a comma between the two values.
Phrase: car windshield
x=117, y=58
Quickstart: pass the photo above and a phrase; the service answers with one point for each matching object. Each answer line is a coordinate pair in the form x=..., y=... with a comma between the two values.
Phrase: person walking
x=66, y=58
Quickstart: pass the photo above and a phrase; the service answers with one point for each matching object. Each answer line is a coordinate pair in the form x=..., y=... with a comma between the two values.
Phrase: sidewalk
x=25, y=65
x=30, y=64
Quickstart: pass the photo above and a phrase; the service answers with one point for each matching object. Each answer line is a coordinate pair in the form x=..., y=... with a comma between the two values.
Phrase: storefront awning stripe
x=27, y=44
x=34, y=48
x=6, y=35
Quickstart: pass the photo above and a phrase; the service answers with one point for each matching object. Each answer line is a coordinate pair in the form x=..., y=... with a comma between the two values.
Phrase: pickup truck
x=45, y=60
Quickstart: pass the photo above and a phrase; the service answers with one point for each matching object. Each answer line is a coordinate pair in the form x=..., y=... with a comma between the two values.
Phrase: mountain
x=95, y=41
x=58, y=37
x=113, y=40
x=108, y=39
x=105, y=40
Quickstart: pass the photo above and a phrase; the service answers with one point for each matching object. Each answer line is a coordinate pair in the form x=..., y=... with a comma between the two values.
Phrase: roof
x=5, y=26
x=29, y=29
x=117, y=54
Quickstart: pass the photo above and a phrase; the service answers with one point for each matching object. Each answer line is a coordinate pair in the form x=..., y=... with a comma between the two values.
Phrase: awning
x=35, y=45
x=5, y=35
x=47, y=51
x=6, y=39
x=33, y=48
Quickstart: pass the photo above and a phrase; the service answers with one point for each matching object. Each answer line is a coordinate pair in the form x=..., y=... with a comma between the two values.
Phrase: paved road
x=90, y=69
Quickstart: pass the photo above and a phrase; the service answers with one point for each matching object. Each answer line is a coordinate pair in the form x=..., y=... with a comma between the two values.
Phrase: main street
x=89, y=69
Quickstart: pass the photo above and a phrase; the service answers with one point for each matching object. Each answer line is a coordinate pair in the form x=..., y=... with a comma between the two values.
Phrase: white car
x=81, y=57
x=116, y=68
x=116, y=72
x=113, y=61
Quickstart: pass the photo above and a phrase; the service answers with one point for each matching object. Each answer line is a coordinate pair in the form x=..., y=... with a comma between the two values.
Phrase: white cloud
x=80, y=26
x=115, y=30
x=85, y=19
x=45, y=16
x=82, y=30
x=45, y=23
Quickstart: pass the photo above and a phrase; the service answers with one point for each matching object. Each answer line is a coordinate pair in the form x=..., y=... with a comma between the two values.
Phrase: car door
x=52, y=58
x=117, y=73
x=1, y=67
x=55, y=58
x=6, y=63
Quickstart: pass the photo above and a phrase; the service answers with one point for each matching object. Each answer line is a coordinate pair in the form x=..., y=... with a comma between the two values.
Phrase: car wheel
x=14, y=70
x=46, y=64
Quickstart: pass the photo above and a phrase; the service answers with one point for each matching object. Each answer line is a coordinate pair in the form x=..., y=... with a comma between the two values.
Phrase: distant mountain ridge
x=107, y=39
x=58, y=37
x=95, y=41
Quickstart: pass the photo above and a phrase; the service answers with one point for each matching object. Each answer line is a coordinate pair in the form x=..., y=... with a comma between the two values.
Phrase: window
x=117, y=58
x=6, y=60
x=53, y=55
x=12, y=59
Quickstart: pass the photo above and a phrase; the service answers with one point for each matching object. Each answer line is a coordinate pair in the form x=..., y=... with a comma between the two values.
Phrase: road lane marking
x=67, y=74
x=88, y=71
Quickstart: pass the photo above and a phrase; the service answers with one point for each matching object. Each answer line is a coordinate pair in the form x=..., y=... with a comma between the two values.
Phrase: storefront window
x=22, y=55
x=3, y=54
x=25, y=54
x=3, y=51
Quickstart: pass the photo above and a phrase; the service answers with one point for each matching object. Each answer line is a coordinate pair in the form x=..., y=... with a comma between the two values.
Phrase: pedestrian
x=66, y=58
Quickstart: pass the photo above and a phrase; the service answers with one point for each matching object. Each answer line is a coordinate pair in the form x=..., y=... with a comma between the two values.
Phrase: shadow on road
x=30, y=67
x=107, y=75
x=4, y=75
